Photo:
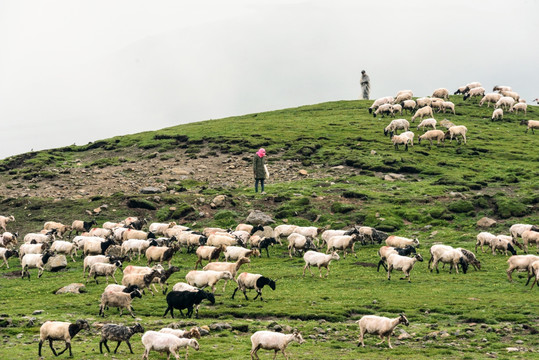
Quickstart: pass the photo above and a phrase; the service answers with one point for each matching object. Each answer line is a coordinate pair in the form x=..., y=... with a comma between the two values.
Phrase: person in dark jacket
x=259, y=169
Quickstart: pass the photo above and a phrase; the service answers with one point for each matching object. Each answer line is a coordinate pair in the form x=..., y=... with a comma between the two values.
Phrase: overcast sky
x=77, y=71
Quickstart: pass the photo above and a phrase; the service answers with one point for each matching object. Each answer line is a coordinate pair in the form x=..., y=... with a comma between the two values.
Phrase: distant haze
x=80, y=71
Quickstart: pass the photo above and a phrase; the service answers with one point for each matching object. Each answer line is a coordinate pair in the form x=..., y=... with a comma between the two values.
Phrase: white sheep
x=397, y=124
x=160, y=228
x=401, y=242
x=421, y=113
x=113, y=225
x=379, y=325
x=484, y=238
x=471, y=85
x=343, y=243
x=283, y=230
x=118, y=234
x=167, y=343
x=118, y=300
x=142, y=281
x=455, y=131
x=410, y=135
x=201, y=279
x=497, y=114
x=380, y=101
x=447, y=255
x=59, y=227
x=430, y=122
x=8, y=238
x=252, y=281
x=100, y=232
x=490, y=98
x=308, y=231
x=383, y=109
x=409, y=105
x=501, y=88
x=441, y=93
x=319, y=260
x=32, y=249
x=402, y=96
x=519, y=106
x=298, y=242
x=478, y=91
x=226, y=266
x=32, y=261
x=448, y=105
x=424, y=101
x=397, y=108
x=136, y=234
x=39, y=238
x=64, y=247
x=4, y=220
x=400, y=140
x=505, y=102
x=270, y=340
x=516, y=230
x=222, y=240
x=211, y=230
x=528, y=237
x=181, y=286
x=511, y=94
x=233, y=253
x=161, y=254
x=59, y=330
x=135, y=246
x=533, y=271
x=404, y=263
x=446, y=123
x=503, y=244
x=102, y=269
x=209, y=253
x=531, y=124
x=520, y=263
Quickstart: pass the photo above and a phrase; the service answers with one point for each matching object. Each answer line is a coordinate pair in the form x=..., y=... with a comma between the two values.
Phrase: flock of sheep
x=502, y=98
x=126, y=239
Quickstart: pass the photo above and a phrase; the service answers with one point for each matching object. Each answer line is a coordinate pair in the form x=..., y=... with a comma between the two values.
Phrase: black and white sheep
x=252, y=281
x=80, y=226
x=30, y=261
x=60, y=330
x=118, y=333
x=447, y=255
x=385, y=251
x=6, y=254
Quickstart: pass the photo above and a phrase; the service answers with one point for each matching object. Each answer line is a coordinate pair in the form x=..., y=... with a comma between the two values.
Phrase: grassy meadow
x=445, y=191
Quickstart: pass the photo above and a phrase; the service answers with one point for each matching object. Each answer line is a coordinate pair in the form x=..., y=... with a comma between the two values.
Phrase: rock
x=397, y=176
x=519, y=342
x=303, y=172
x=486, y=222
x=457, y=194
x=319, y=330
x=512, y=349
x=404, y=335
x=5, y=322
x=37, y=312
x=219, y=200
x=114, y=250
x=388, y=178
x=288, y=329
x=241, y=328
x=56, y=263
x=75, y=288
x=277, y=328
x=182, y=171
x=257, y=217
x=220, y=326
x=150, y=190
x=373, y=152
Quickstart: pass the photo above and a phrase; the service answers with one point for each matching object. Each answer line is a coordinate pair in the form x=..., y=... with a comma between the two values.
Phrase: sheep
x=477, y=91
x=383, y=109
x=160, y=228
x=192, y=240
x=511, y=94
x=249, y=228
x=8, y=238
x=448, y=105
x=437, y=104
x=32, y=249
x=404, y=263
x=59, y=227
x=397, y=108
x=136, y=245
x=401, y=92
x=343, y=242
x=141, y=280
x=209, y=253
x=96, y=247
x=185, y=300
x=510, y=239
x=400, y=140
x=401, y=242
x=497, y=114
x=137, y=234
x=141, y=270
x=519, y=106
x=395, y=125
x=484, y=238
x=320, y=260
x=380, y=101
x=118, y=333
x=191, y=333
x=283, y=230
x=309, y=231
x=327, y=234
x=121, y=288
x=520, y=263
x=505, y=102
x=163, y=277
x=385, y=251
x=299, y=242
x=211, y=230
x=100, y=232
x=167, y=343
x=503, y=245
x=30, y=261
x=424, y=111
x=447, y=255
x=118, y=300
x=201, y=279
x=181, y=286
x=64, y=247
x=379, y=325
x=261, y=243
x=490, y=98
x=441, y=93
x=446, y=123
x=502, y=88
x=252, y=281
x=161, y=254
x=221, y=239
x=430, y=122
x=470, y=258
x=402, y=96
x=80, y=226
x=531, y=124
x=134, y=222
x=118, y=234
x=370, y=232
x=464, y=89
x=270, y=340
x=113, y=225
x=533, y=270
x=225, y=266
x=422, y=102
x=39, y=238
x=102, y=269
x=6, y=254
x=528, y=237
x=455, y=131
x=59, y=330
x=4, y=220
x=409, y=105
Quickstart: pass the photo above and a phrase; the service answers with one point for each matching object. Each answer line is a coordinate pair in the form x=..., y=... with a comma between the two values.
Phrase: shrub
x=341, y=208
x=137, y=203
x=506, y=208
x=461, y=206
x=226, y=218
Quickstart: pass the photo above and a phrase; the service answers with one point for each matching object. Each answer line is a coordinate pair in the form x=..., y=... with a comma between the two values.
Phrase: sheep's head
x=244, y=260
x=194, y=344
x=137, y=328
x=418, y=257
x=524, y=122
x=83, y=324
x=193, y=333
x=136, y=293
x=209, y=296
x=118, y=264
x=335, y=256
x=464, y=263
x=403, y=319
x=298, y=337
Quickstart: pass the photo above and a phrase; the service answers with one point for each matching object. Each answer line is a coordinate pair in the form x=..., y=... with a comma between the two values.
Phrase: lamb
x=253, y=281
x=400, y=140
x=511, y=94
x=502, y=244
x=424, y=111
x=385, y=251
x=519, y=106
x=192, y=333
x=118, y=300
x=230, y=267
x=32, y=249
x=59, y=227
x=185, y=300
x=455, y=131
x=397, y=108
x=59, y=330
x=343, y=242
x=401, y=242
x=283, y=230
x=121, y=288
x=484, y=238
x=4, y=220
x=395, y=125
x=201, y=279
x=497, y=114
x=409, y=105
x=210, y=253
x=64, y=247
x=404, y=263
x=270, y=340
x=94, y=259
x=320, y=260
x=470, y=258
x=424, y=101
x=520, y=263
x=299, y=242
x=430, y=122
x=30, y=261
x=166, y=343
x=80, y=226
x=528, y=237
x=532, y=124
x=379, y=325
x=118, y=333
x=490, y=98
x=383, y=109
x=478, y=91
x=102, y=269
x=161, y=254
x=6, y=254
x=505, y=102
x=96, y=247
x=163, y=277
x=141, y=280
x=136, y=245
x=447, y=255
x=448, y=105
x=380, y=101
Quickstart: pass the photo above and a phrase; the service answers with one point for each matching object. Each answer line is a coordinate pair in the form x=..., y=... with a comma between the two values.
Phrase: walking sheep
x=318, y=259
x=270, y=340
x=252, y=281
x=519, y=263
x=118, y=333
x=404, y=263
x=167, y=343
x=379, y=325
x=118, y=300
x=59, y=330
x=186, y=300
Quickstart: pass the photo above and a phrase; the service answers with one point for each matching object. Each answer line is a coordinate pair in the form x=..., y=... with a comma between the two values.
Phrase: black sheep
x=186, y=300
x=265, y=243
x=118, y=333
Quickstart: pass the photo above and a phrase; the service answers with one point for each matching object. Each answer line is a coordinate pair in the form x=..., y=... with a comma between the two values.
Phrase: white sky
x=76, y=71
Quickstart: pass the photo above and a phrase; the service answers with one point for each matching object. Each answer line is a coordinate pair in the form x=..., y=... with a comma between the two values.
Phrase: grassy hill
x=445, y=190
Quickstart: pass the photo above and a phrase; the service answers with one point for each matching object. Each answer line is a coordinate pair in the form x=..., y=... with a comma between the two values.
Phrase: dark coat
x=258, y=167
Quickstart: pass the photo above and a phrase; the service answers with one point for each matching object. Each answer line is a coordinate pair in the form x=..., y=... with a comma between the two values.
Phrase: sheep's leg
x=224, y=287
x=381, y=337
x=128, y=344
x=529, y=278
x=234, y=293
x=389, y=268
x=389, y=341
x=117, y=346
x=267, y=252
x=68, y=345
x=40, y=271
x=245, y=294
x=166, y=311
x=509, y=272
x=254, y=351
x=39, y=348
x=259, y=293
x=533, y=283
x=52, y=348
x=361, y=334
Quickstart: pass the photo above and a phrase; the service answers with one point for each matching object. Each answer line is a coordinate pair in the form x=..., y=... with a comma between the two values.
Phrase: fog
x=78, y=71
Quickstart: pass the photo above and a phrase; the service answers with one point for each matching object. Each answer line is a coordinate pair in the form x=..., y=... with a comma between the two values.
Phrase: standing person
x=259, y=169
x=365, y=85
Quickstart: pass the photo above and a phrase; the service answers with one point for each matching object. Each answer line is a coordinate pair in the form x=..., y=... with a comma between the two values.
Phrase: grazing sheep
x=511, y=94
x=134, y=222
x=64, y=247
x=519, y=106
x=30, y=261
x=448, y=105
x=455, y=131
x=223, y=240
x=422, y=102
x=261, y=243
x=60, y=228
x=516, y=230
x=90, y=260
x=59, y=330
x=186, y=300
x=403, y=96
x=505, y=102
x=404, y=263
x=531, y=124
x=441, y=93
x=533, y=271
x=113, y=225
x=395, y=125
x=528, y=237
x=430, y=122
x=437, y=104
x=401, y=92
x=447, y=255
x=252, y=281
x=502, y=88
x=210, y=253
x=118, y=333
x=102, y=269
x=136, y=245
x=308, y=231
x=397, y=108
x=464, y=89
x=201, y=279
x=299, y=242
x=383, y=110
x=270, y=340
x=141, y=280
x=497, y=114
x=167, y=343
x=160, y=254
x=520, y=263
x=385, y=251
x=379, y=325
x=137, y=234
x=6, y=254
x=478, y=91
x=4, y=220
x=118, y=300
x=233, y=253
x=188, y=334
x=401, y=242
x=421, y=113
x=343, y=242
x=484, y=238
x=181, y=286
x=490, y=98
x=230, y=267
x=318, y=259
x=503, y=245
x=380, y=101
x=400, y=140
x=283, y=230
x=409, y=105
x=470, y=258
x=249, y=228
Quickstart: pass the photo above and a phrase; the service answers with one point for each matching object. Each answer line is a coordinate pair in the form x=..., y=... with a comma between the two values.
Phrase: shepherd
x=260, y=169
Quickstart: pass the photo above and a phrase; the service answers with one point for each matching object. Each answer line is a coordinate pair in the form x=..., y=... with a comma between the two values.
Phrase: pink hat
x=261, y=152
